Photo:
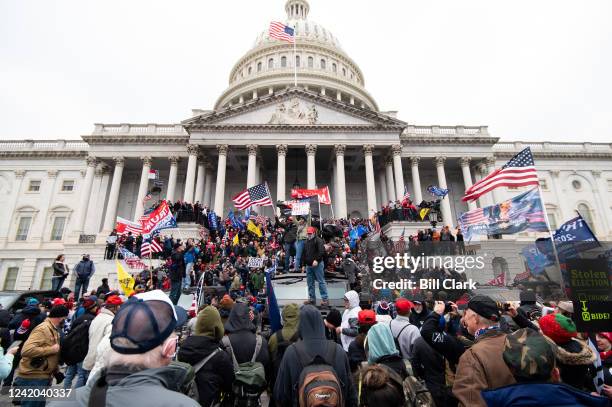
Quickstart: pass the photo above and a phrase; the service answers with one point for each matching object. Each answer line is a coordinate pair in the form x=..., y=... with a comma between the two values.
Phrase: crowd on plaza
x=117, y=350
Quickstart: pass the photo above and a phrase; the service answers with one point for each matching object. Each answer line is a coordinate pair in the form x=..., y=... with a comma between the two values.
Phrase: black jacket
x=430, y=366
x=216, y=376
x=241, y=333
x=78, y=321
x=312, y=334
x=419, y=319
x=314, y=249
x=290, y=234
x=59, y=270
x=177, y=269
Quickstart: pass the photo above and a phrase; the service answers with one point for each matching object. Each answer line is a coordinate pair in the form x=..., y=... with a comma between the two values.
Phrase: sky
x=530, y=70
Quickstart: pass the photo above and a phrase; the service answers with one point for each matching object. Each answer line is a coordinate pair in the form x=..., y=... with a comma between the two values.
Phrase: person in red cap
x=312, y=260
x=604, y=345
x=356, y=352
x=404, y=333
x=99, y=328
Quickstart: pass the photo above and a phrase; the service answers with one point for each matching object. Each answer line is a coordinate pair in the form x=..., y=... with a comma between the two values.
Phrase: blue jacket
x=541, y=395
x=85, y=269
x=191, y=255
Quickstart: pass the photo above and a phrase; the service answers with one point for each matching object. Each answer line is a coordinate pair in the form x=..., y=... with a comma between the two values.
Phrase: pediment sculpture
x=294, y=114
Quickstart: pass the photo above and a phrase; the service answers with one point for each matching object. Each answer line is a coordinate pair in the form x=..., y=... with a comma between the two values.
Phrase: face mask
x=310, y=237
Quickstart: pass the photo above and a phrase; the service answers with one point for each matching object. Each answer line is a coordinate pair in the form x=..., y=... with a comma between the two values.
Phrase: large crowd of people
x=403, y=349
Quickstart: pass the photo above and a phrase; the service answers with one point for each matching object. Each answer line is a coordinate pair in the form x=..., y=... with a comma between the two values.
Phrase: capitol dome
x=322, y=65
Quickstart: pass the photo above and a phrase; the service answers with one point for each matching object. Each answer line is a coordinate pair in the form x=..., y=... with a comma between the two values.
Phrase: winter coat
x=349, y=320
x=60, y=269
x=541, y=395
x=38, y=345
x=290, y=327
x=314, y=249
x=406, y=334
x=482, y=367
x=575, y=362
x=312, y=333
x=290, y=234
x=101, y=352
x=241, y=333
x=177, y=269
x=395, y=363
x=99, y=328
x=350, y=270
x=356, y=352
x=6, y=364
x=85, y=269
x=607, y=369
x=151, y=387
x=5, y=333
x=418, y=319
x=430, y=366
x=217, y=375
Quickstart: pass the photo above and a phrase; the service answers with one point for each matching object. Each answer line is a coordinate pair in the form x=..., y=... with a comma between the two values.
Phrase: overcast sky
x=530, y=70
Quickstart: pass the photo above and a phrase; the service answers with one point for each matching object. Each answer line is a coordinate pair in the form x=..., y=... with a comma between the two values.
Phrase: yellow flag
x=251, y=227
x=126, y=281
x=235, y=240
x=424, y=213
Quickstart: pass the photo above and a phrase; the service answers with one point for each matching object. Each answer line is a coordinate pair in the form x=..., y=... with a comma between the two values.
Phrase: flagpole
x=294, y=56
x=552, y=240
x=270, y=195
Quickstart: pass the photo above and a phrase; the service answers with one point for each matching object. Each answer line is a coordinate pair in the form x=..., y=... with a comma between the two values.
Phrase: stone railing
x=43, y=145
x=145, y=129
x=456, y=131
x=553, y=147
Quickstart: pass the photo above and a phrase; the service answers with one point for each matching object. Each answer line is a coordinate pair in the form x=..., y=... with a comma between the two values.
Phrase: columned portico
x=368, y=149
x=382, y=183
x=311, y=151
x=192, y=150
x=220, y=186
x=416, y=179
x=199, y=189
x=444, y=203
x=467, y=178
x=142, y=188
x=172, y=177
x=390, y=187
x=396, y=149
x=281, y=150
x=92, y=162
x=340, y=181
x=113, y=199
x=252, y=170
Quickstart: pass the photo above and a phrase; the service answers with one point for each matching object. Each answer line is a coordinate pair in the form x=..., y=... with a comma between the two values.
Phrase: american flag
x=522, y=276
x=281, y=32
x=406, y=193
x=519, y=171
x=124, y=226
x=257, y=195
x=149, y=246
x=131, y=259
x=498, y=281
x=400, y=246
x=260, y=219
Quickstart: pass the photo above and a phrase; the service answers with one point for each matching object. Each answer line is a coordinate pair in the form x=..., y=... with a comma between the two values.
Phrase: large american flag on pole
x=257, y=195
x=281, y=32
x=150, y=246
x=519, y=171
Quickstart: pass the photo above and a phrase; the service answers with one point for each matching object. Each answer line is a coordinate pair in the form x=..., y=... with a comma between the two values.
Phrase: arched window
x=283, y=62
x=250, y=70
x=310, y=62
x=500, y=266
x=322, y=64
x=270, y=63
x=297, y=61
x=343, y=71
x=586, y=214
x=334, y=68
x=259, y=67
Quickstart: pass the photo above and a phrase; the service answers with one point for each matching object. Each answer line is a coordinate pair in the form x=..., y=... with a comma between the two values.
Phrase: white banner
x=300, y=208
x=256, y=262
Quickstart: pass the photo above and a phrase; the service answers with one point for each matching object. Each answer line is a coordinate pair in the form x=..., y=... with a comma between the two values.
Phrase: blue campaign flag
x=273, y=310
x=437, y=191
x=536, y=260
x=524, y=212
x=236, y=222
x=355, y=233
x=573, y=237
x=212, y=220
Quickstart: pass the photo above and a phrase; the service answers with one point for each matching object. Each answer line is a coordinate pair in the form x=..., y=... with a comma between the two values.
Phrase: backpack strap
x=258, y=342
x=198, y=366
x=228, y=345
x=396, y=337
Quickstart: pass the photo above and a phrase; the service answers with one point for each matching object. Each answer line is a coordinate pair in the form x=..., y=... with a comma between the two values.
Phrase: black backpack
x=75, y=344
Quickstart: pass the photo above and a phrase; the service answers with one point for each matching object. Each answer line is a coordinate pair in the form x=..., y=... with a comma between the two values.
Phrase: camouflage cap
x=529, y=355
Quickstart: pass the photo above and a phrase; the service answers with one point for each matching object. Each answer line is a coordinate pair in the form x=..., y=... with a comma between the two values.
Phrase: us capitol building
x=63, y=196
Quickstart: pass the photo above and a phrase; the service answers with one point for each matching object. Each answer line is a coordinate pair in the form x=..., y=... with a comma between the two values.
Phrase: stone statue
x=294, y=114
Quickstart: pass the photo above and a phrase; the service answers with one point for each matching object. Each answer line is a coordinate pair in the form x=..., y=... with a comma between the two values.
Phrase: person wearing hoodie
x=216, y=375
x=575, y=358
x=281, y=340
x=349, y=329
x=529, y=307
x=419, y=311
x=314, y=344
x=381, y=349
x=530, y=357
x=225, y=308
x=356, y=353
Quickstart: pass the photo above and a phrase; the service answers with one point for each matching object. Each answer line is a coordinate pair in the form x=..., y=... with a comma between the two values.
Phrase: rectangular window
x=57, y=231
x=45, y=282
x=552, y=219
x=34, y=186
x=68, y=185
x=11, y=278
x=23, y=228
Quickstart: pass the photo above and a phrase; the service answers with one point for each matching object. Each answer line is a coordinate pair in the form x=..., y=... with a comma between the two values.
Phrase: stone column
x=382, y=183
x=142, y=189
x=490, y=169
x=399, y=172
x=208, y=185
x=172, y=177
x=467, y=178
x=199, y=189
x=85, y=194
x=113, y=198
x=192, y=150
x=311, y=151
x=252, y=166
x=416, y=179
x=598, y=191
x=281, y=182
x=481, y=171
x=390, y=187
x=445, y=202
x=368, y=149
x=220, y=187
x=341, y=210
